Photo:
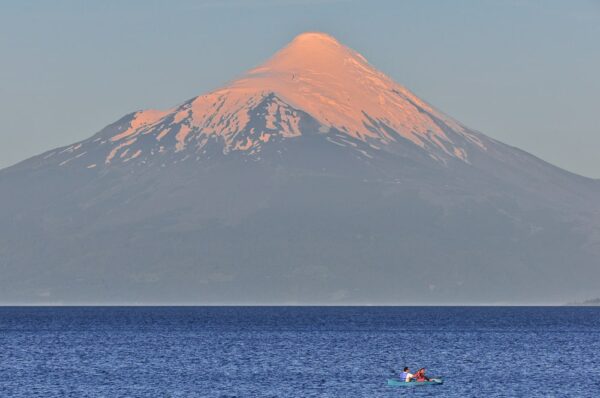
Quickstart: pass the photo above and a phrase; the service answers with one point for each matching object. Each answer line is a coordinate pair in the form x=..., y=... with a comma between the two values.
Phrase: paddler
x=420, y=375
x=406, y=376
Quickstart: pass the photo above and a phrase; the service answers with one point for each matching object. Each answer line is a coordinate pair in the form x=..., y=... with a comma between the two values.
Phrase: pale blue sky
x=524, y=72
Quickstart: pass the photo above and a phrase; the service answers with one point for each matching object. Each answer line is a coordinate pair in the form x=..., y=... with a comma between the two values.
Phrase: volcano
x=311, y=179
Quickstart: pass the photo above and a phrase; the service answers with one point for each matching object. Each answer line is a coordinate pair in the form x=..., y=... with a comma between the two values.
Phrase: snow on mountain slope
x=313, y=78
x=338, y=87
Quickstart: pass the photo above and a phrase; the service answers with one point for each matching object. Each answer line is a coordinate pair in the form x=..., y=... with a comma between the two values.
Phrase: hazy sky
x=524, y=72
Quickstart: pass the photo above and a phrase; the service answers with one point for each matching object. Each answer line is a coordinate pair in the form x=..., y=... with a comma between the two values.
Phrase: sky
x=524, y=72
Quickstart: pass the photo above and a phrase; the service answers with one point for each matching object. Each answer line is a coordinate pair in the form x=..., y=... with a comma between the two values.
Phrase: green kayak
x=398, y=383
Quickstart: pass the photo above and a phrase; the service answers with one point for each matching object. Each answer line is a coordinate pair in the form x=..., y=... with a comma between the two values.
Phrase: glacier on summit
x=313, y=77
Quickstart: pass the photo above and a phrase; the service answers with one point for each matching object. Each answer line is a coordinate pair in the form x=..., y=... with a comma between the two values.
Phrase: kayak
x=398, y=383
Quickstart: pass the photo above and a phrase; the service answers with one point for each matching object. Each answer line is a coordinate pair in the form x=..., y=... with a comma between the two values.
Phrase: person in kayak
x=420, y=375
x=406, y=376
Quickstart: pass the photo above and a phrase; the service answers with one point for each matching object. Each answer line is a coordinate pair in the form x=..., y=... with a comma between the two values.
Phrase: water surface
x=297, y=351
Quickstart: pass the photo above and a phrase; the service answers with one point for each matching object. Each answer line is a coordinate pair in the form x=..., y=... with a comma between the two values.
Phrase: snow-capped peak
x=338, y=87
x=313, y=76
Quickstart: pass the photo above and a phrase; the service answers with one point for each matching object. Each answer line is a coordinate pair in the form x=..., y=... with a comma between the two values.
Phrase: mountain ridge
x=336, y=87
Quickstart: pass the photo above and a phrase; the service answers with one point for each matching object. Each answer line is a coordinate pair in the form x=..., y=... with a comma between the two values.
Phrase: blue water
x=297, y=352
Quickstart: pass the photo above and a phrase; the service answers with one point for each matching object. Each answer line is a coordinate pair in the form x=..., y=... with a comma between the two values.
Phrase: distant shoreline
x=590, y=302
x=586, y=303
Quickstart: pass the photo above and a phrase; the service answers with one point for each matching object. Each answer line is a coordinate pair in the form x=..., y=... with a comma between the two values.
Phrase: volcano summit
x=313, y=178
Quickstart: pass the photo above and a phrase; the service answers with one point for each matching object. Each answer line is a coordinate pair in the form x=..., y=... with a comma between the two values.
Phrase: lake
x=298, y=351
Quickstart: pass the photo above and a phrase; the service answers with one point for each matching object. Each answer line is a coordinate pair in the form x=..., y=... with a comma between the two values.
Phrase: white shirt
x=408, y=377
